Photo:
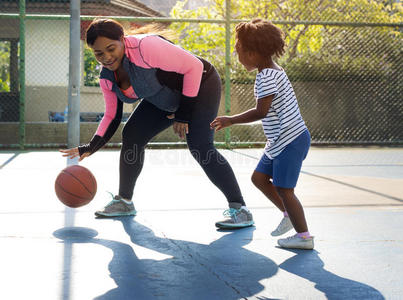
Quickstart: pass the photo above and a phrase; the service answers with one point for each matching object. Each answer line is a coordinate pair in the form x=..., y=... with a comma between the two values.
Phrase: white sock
x=245, y=208
x=127, y=201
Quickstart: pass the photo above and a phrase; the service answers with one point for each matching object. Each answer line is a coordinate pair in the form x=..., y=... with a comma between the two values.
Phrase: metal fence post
x=73, y=126
x=227, y=68
x=21, y=75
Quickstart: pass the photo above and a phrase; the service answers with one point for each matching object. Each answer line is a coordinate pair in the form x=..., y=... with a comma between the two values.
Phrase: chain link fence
x=349, y=89
x=344, y=59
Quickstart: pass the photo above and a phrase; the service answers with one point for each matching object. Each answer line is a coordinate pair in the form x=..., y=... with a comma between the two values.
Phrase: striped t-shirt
x=283, y=123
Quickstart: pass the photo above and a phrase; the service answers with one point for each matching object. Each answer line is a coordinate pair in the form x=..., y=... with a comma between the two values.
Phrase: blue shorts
x=285, y=167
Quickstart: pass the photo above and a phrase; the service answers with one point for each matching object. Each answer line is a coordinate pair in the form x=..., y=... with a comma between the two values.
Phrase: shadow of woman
x=307, y=264
x=223, y=269
x=125, y=268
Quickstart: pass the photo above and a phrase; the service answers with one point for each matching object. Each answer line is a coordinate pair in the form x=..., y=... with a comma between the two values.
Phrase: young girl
x=177, y=89
x=288, y=139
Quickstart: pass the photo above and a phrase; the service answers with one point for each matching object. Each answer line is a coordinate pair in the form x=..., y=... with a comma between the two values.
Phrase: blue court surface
x=353, y=199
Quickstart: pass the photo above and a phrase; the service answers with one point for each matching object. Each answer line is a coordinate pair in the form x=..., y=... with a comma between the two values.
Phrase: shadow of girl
x=222, y=269
x=308, y=265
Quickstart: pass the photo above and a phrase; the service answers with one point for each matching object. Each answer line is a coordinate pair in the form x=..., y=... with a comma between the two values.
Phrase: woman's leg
x=201, y=141
x=144, y=123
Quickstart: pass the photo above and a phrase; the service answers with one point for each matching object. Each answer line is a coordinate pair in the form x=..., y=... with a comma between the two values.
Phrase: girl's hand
x=181, y=129
x=73, y=152
x=220, y=123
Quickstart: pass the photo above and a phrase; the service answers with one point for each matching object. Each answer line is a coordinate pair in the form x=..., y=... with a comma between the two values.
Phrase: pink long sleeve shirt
x=150, y=51
x=177, y=69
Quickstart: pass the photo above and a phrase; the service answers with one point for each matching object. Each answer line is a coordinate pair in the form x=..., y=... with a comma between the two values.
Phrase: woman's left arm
x=159, y=53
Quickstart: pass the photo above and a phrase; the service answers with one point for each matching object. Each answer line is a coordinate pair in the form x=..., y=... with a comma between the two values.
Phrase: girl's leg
x=303, y=239
x=144, y=123
x=261, y=178
x=294, y=209
x=264, y=184
x=286, y=170
x=287, y=167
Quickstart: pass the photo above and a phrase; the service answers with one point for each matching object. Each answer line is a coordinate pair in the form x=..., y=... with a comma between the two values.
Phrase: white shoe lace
x=296, y=236
x=292, y=237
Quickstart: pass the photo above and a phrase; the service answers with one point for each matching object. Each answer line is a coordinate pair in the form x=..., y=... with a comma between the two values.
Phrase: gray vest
x=146, y=86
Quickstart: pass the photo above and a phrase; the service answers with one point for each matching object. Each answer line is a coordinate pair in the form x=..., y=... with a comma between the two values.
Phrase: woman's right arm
x=109, y=123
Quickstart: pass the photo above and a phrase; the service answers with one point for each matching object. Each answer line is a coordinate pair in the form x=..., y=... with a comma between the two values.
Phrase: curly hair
x=260, y=36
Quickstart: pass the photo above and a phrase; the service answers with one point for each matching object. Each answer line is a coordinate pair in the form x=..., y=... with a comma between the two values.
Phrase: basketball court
x=353, y=199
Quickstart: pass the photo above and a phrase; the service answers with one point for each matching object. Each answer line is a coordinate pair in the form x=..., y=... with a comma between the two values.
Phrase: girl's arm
x=254, y=114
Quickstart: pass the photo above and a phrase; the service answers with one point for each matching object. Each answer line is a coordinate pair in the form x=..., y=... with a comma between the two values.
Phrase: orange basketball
x=75, y=186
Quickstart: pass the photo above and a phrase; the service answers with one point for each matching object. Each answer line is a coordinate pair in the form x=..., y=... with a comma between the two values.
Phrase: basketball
x=75, y=186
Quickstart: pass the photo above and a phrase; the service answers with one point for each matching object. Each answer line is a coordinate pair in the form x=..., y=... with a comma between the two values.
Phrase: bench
x=57, y=116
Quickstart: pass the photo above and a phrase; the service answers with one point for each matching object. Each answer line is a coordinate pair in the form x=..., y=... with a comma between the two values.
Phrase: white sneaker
x=284, y=226
x=296, y=242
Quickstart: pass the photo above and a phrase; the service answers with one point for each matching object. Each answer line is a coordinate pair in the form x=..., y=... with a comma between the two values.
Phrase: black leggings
x=147, y=121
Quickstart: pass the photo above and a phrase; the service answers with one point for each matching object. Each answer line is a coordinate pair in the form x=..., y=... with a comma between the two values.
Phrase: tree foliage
x=91, y=68
x=314, y=51
x=4, y=66
x=321, y=48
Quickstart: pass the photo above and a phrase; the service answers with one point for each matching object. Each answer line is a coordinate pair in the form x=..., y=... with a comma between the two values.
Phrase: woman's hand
x=220, y=123
x=73, y=152
x=181, y=129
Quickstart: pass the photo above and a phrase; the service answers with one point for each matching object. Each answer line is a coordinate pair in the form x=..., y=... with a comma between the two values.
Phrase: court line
x=397, y=205
x=354, y=186
x=9, y=160
x=346, y=166
x=337, y=181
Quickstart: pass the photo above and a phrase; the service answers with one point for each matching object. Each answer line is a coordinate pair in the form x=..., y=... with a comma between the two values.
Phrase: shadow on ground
x=223, y=269
x=308, y=265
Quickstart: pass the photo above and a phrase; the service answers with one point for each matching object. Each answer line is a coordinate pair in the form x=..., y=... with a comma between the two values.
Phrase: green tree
x=4, y=66
x=324, y=49
x=314, y=51
x=91, y=68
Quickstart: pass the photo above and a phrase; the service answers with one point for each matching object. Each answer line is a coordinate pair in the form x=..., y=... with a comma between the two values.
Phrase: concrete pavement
x=353, y=199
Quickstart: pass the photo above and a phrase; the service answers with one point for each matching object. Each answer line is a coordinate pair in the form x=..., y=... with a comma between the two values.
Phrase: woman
x=175, y=88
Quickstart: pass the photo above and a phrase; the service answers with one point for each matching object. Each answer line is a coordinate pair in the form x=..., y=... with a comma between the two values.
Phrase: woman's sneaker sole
x=117, y=208
x=233, y=226
x=110, y=215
